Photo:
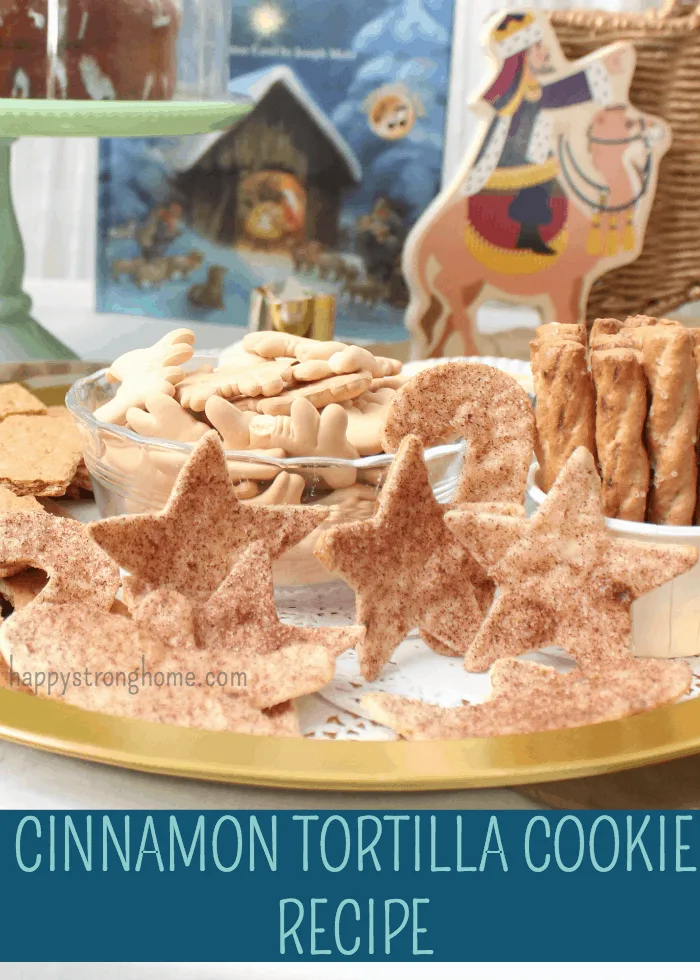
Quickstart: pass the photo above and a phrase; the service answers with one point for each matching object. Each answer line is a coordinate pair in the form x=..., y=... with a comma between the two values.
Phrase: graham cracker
x=39, y=454
x=16, y=400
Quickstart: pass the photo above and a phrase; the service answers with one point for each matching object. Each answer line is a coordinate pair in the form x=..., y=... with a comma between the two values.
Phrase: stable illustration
x=340, y=153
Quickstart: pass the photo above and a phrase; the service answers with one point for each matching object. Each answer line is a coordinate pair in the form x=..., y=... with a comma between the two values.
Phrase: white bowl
x=666, y=621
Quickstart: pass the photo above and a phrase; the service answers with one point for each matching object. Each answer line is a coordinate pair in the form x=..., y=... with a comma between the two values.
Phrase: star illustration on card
x=407, y=569
x=239, y=625
x=192, y=543
x=564, y=581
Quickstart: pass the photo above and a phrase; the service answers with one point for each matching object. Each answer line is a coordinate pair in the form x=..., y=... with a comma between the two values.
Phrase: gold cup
x=291, y=308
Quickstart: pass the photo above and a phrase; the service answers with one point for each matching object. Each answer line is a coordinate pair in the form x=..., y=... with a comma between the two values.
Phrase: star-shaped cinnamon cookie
x=239, y=625
x=564, y=581
x=528, y=697
x=121, y=658
x=406, y=568
x=192, y=543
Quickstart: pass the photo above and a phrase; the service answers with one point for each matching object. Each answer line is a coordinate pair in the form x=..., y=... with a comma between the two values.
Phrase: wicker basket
x=667, y=84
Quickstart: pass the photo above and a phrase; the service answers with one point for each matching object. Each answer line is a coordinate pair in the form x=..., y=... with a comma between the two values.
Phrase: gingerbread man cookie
x=134, y=390
x=232, y=380
x=164, y=418
x=286, y=488
x=306, y=432
x=338, y=388
x=232, y=424
x=172, y=349
x=366, y=417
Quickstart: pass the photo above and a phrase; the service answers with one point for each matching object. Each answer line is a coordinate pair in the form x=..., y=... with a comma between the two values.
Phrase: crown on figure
x=515, y=33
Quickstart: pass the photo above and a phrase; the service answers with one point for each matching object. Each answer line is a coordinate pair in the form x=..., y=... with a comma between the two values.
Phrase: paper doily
x=321, y=719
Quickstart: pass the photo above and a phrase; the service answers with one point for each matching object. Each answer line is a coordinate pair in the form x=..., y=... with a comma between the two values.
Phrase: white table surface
x=30, y=779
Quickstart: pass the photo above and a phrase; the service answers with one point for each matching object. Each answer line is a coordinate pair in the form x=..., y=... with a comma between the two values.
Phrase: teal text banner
x=339, y=885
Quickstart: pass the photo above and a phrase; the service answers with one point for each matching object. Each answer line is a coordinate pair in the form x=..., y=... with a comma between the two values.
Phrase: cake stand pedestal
x=23, y=336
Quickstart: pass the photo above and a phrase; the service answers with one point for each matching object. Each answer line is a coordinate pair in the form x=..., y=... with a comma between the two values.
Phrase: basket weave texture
x=667, y=84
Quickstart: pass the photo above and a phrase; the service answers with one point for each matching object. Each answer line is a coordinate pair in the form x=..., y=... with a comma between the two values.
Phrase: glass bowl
x=132, y=474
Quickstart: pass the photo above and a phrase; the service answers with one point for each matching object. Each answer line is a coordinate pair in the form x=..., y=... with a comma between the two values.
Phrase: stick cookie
x=672, y=421
x=621, y=412
x=548, y=333
x=604, y=327
x=565, y=406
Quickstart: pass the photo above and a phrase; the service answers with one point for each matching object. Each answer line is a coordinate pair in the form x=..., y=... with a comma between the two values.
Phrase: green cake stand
x=41, y=117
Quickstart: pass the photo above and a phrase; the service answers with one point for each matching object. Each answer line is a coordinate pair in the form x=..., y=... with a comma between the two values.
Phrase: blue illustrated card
x=340, y=153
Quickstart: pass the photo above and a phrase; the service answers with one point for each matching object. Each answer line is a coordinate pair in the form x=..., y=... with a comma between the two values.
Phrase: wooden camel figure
x=557, y=190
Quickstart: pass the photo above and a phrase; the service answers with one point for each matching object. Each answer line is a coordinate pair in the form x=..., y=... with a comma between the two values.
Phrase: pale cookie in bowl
x=231, y=380
x=338, y=388
x=173, y=349
x=307, y=432
x=270, y=344
x=286, y=488
x=232, y=424
x=366, y=417
x=134, y=390
x=164, y=418
x=358, y=359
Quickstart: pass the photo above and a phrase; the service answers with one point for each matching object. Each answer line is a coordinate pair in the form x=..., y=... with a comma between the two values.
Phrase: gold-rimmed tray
x=655, y=736
x=317, y=764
